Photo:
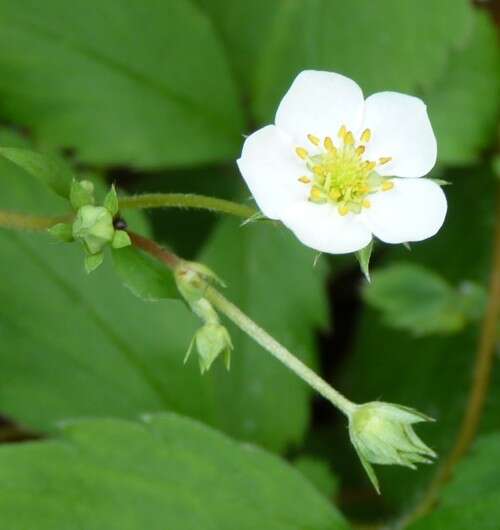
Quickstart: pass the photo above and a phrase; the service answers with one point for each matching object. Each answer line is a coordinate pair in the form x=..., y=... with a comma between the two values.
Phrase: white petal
x=271, y=168
x=321, y=227
x=400, y=129
x=319, y=103
x=412, y=211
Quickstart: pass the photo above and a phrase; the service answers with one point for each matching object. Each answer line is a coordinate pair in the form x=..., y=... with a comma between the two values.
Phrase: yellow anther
x=334, y=194
x=318, y=170
x=316, y=195
x=370, y=165
x=366, y=203
x=304, y=180
x=349, y=138
x=364, y=188
x=328, y=143
x=360, y=150
x=366, y=135
x=342, y=131
x=384, y=159
x=313, y=139
x=387, y=185
x=343, y=210
x=302, y=153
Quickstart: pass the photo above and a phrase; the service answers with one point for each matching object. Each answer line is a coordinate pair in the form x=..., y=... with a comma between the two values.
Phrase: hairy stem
x=27, y=222
x=183, y=200
x=479, y=388
x=277, y=350
x=258, y=334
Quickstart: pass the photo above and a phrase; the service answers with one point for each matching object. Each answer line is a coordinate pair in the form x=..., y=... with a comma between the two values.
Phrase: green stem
x=183, y=200
x=251, y=328
x=27, y=222
x=263, y=338
x=479, y=389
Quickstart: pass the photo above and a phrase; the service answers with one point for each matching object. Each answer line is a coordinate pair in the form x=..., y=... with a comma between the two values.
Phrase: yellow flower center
x=338, y=173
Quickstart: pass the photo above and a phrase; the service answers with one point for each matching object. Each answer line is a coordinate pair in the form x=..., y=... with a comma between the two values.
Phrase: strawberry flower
x=338, y=169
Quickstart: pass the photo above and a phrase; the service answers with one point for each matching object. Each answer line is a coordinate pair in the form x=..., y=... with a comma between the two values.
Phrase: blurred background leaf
x=121, y=82
x=169, y=472
x=472, y=499
x=417, y=299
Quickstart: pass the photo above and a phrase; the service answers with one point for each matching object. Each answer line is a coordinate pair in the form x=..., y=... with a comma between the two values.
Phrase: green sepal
x=93, y=261
x=363, y=256
x=62, y=231
x=111, y=202
x=81, y=194
x=121, y=239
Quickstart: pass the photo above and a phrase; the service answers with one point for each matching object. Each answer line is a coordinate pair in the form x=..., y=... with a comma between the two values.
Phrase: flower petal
x=319, y=103
x=401, y=130
x=321, y=227
x=412, y=211
x=271, y=168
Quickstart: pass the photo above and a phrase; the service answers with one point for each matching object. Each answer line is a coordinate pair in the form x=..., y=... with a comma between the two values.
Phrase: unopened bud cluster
x=93, y=225
x=212, y=339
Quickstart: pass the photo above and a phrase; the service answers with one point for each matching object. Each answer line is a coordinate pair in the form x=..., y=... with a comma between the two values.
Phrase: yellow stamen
x=318, y=170
x=360, y=150
x=334, y=194
x=302, y=153
x=328, y=143
x=304, y=180
x=349, y=138
x=342, y=132
x=384, y=159
x=313, y=139
x=366, y=203
x=316, y=194
x=366, y=135
x=343, y=210
x=387, y=185
x=370, y=165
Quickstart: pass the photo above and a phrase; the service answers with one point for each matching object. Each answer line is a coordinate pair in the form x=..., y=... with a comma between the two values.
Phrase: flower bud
x=382, y=433
x=211, y=340
x=93, y=225
x=192, y=278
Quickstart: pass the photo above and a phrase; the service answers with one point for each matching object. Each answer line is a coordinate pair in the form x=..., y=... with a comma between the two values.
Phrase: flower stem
x=251, y=328
x=26, y=222
x=187, y=200
x=270, y=344
x=479, y=388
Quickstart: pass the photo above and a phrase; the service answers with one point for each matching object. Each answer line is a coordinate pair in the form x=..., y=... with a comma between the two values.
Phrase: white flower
x=338, y=169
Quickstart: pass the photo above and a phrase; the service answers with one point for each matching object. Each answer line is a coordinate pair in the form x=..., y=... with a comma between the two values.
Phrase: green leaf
x=431, y=374
x=472, y=498
x=319, y=473
x=144, y=276
x=462, y=105
x=383, y=45
x=168, y=473
x=122, y=83
x=271, y=277
x=417, y=299
x=363, y=256
x=79, y=345
x=51, y=170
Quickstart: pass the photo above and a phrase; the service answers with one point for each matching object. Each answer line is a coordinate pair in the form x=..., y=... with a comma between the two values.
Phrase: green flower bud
x=211, y=340
x=81, y=194
x=62, y=231
x=93, y=225
x=382, y=433
x=192, y=278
